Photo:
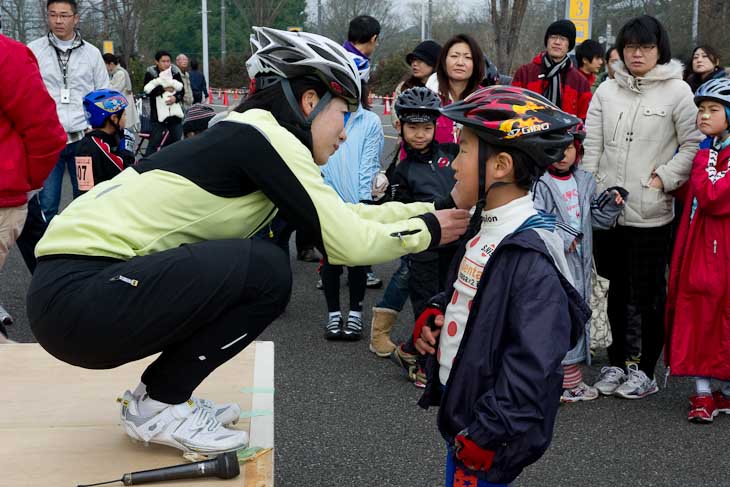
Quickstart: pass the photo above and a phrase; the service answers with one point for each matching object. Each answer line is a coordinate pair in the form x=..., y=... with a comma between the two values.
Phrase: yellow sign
x=108, y=47
x=579, y=10
x=582, y=30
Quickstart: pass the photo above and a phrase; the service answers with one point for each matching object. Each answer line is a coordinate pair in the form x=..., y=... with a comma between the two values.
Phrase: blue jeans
x=51, y=194
x=396, y=294
x=457, y=476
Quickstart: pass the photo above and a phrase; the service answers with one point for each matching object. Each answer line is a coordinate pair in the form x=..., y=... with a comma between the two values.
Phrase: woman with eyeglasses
x=641, y=135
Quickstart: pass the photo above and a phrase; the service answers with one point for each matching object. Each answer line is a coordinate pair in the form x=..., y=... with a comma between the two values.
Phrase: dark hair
x=477, y=58
x=411, y=81
x=159, y=54
x=365, y=95
x=710, y=51
x=362, y=29
x=193, y=64
x=72, y=3
x=272, y=99
x=610, y=51
x=588, y=50
x=110, y=58
x=645, y=30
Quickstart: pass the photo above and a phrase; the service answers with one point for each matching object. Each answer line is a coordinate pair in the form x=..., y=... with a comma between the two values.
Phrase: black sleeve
x=400, y=188
x=179, y=94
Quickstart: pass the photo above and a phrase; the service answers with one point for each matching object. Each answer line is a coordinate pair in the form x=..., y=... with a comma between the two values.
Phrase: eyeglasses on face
x=64, y=17
x=643, y=48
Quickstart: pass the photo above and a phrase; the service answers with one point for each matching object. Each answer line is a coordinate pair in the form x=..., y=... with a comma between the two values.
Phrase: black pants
x=427, y=277
x=198, y=304
x=174, y=127
x=635, y=261
x=34, y=228
x=357, y=277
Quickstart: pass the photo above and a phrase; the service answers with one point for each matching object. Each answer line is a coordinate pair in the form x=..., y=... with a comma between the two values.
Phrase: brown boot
x=383, y=321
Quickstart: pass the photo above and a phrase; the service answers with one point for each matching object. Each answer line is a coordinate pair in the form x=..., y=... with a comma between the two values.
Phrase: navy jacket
x=505, y=384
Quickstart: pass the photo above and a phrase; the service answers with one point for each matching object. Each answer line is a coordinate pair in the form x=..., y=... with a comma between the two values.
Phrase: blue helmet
x=102, y=104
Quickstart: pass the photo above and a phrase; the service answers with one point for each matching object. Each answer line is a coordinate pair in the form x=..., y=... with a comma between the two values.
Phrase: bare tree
x=506, y=17
x=338, y=13
x=259, y=12
x=22, y=19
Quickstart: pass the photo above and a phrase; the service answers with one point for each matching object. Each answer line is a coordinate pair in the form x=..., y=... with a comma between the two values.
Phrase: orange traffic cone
x=225, y=98
x=235, y=95
x=386, y=111
x=210, y=97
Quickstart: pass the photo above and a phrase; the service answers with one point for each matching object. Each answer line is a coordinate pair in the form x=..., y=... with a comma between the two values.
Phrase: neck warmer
x=552, y=72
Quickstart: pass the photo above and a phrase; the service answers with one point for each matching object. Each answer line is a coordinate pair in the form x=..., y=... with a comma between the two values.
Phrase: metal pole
x=695, y=21
x=429, y=31
x=319, y=16
x=223, y=32
x=423, y=20
x=206, y=73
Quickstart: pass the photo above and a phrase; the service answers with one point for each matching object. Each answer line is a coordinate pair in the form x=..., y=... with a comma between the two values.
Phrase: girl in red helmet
x=498, y=334
x=569, y=193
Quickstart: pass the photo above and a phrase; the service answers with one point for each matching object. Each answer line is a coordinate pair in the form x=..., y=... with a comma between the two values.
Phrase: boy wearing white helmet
x=183, y=277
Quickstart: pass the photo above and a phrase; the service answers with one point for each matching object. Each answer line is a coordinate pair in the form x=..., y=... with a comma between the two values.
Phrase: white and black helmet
x=281, y=55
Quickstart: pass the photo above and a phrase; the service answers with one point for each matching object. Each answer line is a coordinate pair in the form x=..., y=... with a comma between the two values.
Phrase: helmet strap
x=306, y=122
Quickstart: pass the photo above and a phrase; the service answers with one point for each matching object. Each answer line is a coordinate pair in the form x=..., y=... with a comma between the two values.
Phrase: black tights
x=357, y=277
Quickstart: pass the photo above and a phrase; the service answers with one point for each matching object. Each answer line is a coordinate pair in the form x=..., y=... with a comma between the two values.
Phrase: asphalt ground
x=347, y=418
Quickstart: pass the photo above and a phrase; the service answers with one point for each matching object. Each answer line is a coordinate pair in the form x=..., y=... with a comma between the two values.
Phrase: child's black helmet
x=417, y=105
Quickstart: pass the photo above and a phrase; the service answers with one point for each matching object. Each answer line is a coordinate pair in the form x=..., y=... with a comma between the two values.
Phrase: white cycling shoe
x=188, y=427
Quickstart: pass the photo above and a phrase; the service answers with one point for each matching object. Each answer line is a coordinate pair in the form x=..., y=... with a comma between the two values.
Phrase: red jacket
x=31, y=136
x=697, y=318
x=576, y=95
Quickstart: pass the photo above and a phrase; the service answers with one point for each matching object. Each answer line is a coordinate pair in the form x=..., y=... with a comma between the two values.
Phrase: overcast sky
x=402, y=6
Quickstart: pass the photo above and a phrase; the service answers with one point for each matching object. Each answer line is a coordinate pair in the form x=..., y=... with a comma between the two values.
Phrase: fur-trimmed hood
x=661, y=72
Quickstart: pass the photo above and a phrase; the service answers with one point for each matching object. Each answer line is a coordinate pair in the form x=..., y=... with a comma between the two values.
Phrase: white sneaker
x=226, y=414
x=581, y=392
x=185, y=426
x=637, y=386
x=609, y=380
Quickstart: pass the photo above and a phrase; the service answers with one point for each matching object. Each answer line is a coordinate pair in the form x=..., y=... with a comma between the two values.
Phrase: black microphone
x=223, y=466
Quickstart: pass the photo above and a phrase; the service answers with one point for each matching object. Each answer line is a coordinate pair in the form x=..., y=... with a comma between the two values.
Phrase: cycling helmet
x=509, y=116
x=491, y=73
x=417, y=105
x=716, y=90
x=279, y=56
x=99, y=105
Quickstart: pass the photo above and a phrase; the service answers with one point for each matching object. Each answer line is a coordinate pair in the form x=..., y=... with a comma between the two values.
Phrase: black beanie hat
x=426, y=51
x=564, y=28
x=197, y=118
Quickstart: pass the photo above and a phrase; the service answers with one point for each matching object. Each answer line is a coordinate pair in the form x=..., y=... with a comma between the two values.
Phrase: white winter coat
x=636, y=126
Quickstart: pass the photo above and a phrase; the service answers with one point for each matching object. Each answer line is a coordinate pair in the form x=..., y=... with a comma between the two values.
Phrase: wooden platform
x=59, y=425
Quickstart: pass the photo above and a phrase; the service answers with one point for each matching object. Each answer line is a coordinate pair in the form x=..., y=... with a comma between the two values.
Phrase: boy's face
x=568, y=159
x=594, y=66
x=711, y=119
x=418, y=135
x=120, y=120
x=466, y=171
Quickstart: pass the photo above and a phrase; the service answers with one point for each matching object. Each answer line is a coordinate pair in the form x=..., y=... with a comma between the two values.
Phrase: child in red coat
x=698, y=324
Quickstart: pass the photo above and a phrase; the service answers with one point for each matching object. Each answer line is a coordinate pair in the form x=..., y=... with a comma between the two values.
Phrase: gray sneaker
x=609, y=380
x=637, y=386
